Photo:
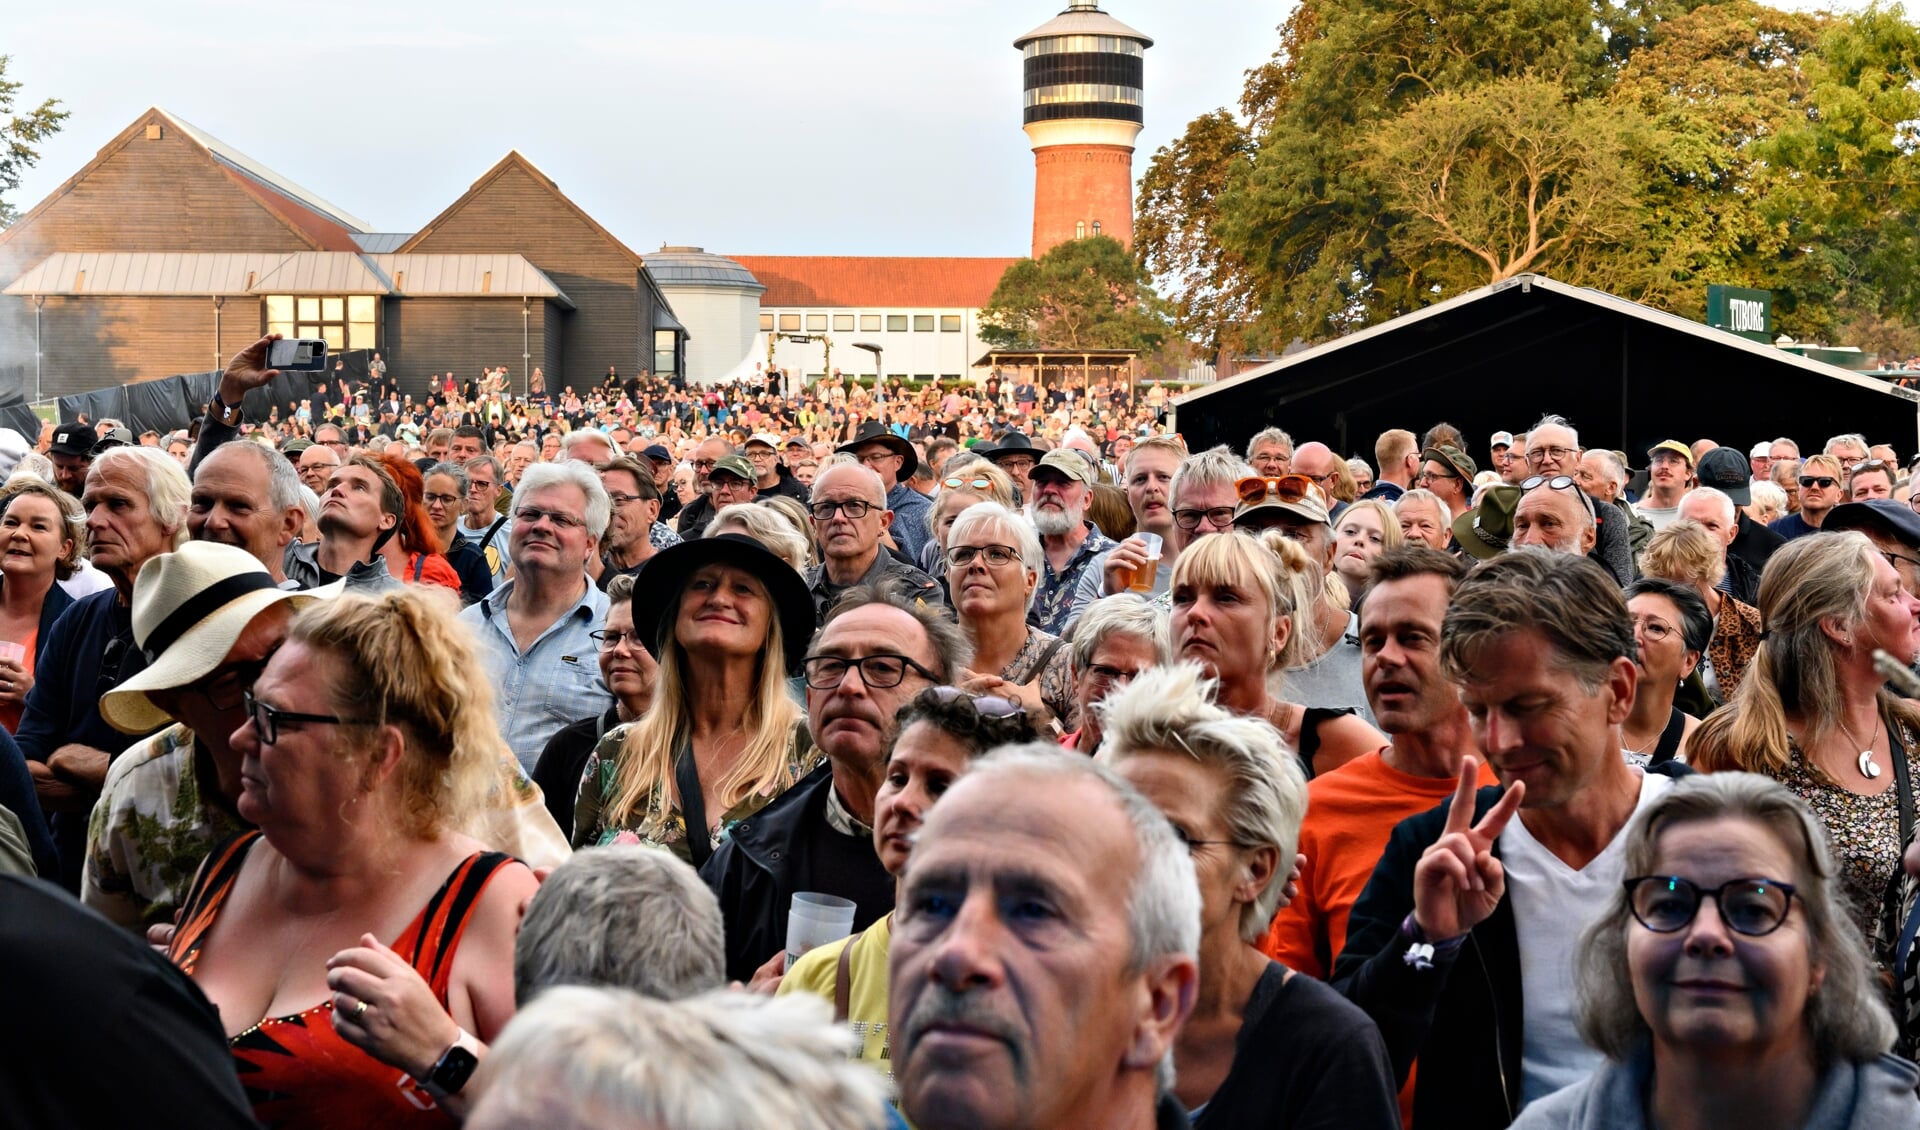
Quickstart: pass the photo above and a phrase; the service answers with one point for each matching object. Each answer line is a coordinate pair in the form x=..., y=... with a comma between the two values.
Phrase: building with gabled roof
x=171, y=250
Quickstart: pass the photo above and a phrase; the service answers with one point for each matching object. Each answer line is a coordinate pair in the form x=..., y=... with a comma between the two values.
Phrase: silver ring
x=359, y=1010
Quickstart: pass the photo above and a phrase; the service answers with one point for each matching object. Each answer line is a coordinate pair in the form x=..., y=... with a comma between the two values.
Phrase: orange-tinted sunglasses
x=1286, y=488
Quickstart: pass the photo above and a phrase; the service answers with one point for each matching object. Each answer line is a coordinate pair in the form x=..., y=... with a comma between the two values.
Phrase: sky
x=796, y=127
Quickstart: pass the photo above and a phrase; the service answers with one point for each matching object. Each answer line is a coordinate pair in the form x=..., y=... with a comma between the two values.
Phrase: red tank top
x=298, y=1072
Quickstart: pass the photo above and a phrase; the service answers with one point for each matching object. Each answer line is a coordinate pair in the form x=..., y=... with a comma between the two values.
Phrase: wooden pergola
x=1064, y=365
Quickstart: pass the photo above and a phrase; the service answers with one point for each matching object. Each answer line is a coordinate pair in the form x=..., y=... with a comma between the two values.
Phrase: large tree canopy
x=1393, y=153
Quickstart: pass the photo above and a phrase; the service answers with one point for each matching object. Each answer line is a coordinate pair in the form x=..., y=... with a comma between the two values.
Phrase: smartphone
x=298, y=354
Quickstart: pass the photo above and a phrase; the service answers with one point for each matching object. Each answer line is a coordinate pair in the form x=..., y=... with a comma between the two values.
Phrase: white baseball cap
x=1501, y=439
x=1760, y=450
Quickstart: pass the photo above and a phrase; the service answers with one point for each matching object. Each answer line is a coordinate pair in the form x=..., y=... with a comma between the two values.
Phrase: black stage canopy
x=1496, y=359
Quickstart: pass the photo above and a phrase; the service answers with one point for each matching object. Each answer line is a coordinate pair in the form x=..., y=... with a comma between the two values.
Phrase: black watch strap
x=456, y=1066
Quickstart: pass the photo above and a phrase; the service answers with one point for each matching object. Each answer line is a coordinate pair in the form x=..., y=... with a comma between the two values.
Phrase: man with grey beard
x=1059, y=488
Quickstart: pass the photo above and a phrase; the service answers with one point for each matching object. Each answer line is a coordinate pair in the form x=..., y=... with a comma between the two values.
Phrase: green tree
x=20, y=134
x=1212, y=295
x=1084, y=294
x=1849, y=188
x=1504, y=177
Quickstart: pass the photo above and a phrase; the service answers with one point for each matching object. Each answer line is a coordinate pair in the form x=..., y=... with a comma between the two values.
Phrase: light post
x=876, y=350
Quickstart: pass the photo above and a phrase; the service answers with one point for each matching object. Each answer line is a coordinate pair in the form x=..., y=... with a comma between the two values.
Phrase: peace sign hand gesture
x=1458, y=882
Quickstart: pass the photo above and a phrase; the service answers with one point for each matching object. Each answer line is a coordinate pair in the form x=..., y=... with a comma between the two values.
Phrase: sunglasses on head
x=1286, y=488
x=1559, y=482
x=956, y=482
x=1870, y=465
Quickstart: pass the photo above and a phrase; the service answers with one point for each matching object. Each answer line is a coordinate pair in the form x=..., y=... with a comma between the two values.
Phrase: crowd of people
x=498, y=761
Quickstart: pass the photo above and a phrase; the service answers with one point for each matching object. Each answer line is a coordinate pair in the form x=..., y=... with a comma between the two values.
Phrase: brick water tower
x=1082, y=111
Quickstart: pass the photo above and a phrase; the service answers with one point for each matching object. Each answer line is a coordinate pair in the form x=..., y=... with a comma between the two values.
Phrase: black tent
x=1498, y=358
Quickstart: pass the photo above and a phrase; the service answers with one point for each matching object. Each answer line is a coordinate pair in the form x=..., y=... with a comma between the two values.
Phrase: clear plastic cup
x=814, y=920
x=1143, y=577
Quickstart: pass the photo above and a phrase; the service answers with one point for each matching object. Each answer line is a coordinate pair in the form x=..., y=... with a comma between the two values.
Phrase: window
x=816, y=323
x=789, y=323
x=923, y=376
x=346, y=322
x=843, y=323
x=663, y=353
x=923, y=323
x=766, y=323
x=949, y=376
x=870, y=322
x=949, y=323
x=896, y=323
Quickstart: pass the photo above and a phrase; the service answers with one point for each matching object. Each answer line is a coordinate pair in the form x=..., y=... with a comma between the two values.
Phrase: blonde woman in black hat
x=727, y=620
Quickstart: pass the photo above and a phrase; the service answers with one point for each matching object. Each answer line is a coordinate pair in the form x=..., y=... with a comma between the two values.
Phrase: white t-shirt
x=1660, y=516
x=1552, y=906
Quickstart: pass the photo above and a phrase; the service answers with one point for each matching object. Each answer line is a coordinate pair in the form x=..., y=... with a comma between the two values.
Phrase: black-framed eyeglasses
x=443, y=499
x=267, y=720
x=1540, y=455
x=853, y=508
x=1221, y=516
x=1894, y=559
x=1113, y=676
x=827, y=672
x=532, y=514
x=621, y=499
x=1190, y=843
x=998, y=556
x=1559, y=482
x=1666, y=904
x=230, y=688
x=611, y=640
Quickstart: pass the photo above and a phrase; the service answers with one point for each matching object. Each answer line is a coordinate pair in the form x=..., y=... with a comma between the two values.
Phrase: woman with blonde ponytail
x=727, y=620
x=1234, y=598
x=1813, y=714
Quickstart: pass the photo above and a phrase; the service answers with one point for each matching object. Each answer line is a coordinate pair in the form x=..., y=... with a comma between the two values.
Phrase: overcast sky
x=798, y=127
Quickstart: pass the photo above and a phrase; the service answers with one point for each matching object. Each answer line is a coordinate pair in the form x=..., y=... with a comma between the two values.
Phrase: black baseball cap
x=1726, y=470
x=74, y=439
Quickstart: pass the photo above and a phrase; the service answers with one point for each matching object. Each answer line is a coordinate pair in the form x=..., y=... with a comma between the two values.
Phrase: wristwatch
x=455, y=1066
x=225, y=413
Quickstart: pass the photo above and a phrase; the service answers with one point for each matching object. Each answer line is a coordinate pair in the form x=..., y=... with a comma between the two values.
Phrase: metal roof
x=694, y=266
x=1083, y=19
x=240, y=162
x=380, y=242
x=663, y=319
x=423, y=275
x=278, y=272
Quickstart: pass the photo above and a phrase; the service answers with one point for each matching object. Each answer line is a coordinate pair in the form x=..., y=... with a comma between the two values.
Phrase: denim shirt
x=553, y=683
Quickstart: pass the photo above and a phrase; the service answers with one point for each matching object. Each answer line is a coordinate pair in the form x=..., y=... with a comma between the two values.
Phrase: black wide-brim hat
x=873, y=431
x=656, y=599
x=1013, y=443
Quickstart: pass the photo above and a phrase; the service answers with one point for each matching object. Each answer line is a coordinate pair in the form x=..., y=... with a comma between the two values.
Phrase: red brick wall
x=1076, y=184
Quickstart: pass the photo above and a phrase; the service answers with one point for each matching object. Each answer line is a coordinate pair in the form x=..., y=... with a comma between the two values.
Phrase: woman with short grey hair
x=992, y=570
x=1759, y=1011
x=1264, y=1046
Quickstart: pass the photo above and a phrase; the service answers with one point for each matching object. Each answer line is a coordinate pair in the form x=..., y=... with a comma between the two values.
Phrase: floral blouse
x=1055, y=671
x=658, y=821
x=1863, y=831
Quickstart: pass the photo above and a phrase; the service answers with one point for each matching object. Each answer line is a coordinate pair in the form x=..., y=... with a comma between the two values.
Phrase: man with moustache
x=1041, y=967
x=1458, y=947
x=1147, y=474
x=1060, y=487
x=880, y=646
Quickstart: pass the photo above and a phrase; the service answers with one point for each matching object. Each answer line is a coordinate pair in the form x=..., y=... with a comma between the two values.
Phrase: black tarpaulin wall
x=1497, y=359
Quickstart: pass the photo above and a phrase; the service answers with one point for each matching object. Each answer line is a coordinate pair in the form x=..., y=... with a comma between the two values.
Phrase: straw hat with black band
x=657, y=603
x=873, y=431
x=189, y=608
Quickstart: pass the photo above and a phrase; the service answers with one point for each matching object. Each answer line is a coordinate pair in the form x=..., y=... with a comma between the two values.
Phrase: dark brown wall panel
x=93, y=343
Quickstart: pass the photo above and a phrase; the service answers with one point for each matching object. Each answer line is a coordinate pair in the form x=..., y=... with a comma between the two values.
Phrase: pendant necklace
x=1868, y=769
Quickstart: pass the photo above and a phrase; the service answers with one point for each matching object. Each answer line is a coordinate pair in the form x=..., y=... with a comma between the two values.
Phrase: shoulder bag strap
x=693, y=807
x=1902, y=784
x=843, y=980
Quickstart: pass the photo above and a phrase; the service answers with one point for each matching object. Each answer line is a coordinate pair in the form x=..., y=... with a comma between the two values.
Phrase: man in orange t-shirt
x=1352, y=811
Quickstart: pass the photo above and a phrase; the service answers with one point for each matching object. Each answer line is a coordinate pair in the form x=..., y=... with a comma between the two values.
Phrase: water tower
x=1082, y=110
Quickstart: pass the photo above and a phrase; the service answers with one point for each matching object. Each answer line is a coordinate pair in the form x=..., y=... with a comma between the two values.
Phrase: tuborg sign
x=1738, y=310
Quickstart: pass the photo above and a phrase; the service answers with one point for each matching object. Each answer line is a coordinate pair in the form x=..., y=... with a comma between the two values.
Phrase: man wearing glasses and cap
x=893, y=459
x=771, y=475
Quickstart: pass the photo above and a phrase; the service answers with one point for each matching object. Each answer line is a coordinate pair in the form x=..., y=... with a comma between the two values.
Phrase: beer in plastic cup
x=814, y=920
x=13, y=652
x=1143, y=576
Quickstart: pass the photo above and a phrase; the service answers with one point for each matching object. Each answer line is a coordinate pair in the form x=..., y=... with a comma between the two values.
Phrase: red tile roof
x=325, y=233
x=874, y=281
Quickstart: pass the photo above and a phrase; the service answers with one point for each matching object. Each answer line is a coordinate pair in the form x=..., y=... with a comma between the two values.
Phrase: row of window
x=1074, y=44
x=346, y=322
x=811, y=377
x=1074, y=92
x=868, y=323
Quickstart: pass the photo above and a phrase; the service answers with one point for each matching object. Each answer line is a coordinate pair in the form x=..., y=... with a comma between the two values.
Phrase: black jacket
x=1754, y=544
x=563, y=761
x=778, y=851
x=1462, y=1018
